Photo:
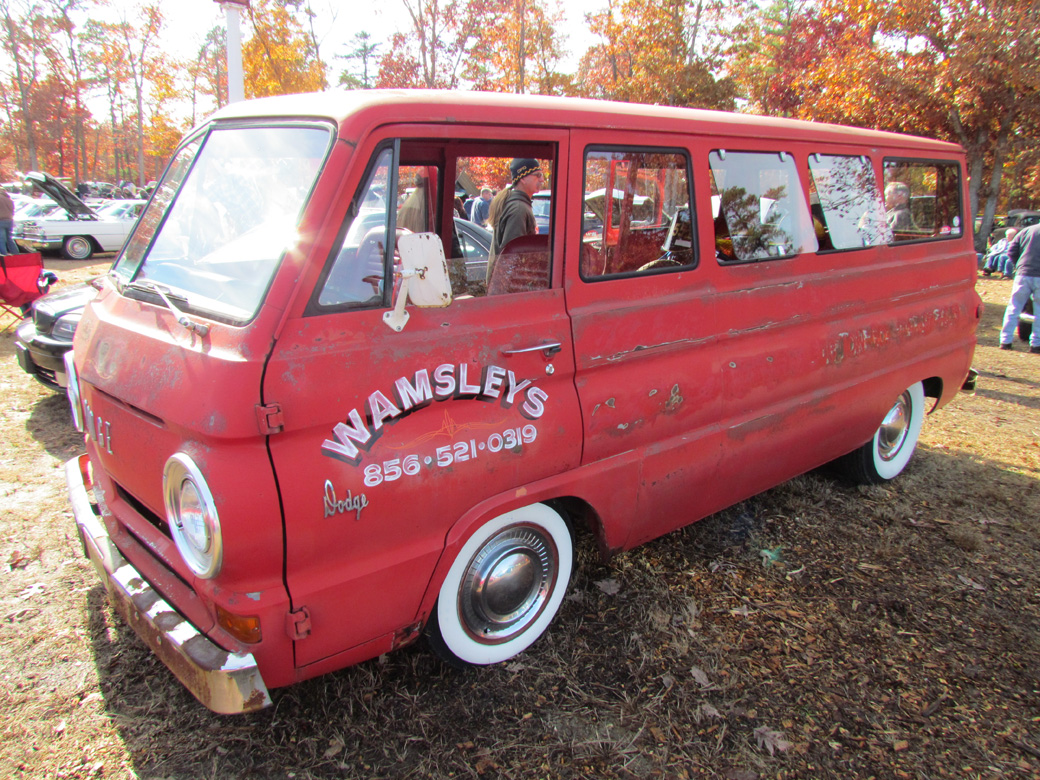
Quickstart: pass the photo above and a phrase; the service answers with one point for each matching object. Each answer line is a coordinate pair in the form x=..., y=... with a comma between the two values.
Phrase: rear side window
x=923, y=199
x=758, y=207
x=845, y=201
x=637, y=217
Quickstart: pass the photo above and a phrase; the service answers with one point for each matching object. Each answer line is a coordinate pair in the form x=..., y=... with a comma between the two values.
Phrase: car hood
x=61, y=194
x=596, y=201
x=69, y=299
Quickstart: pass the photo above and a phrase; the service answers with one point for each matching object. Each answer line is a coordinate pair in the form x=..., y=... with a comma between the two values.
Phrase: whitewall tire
x=504, y=587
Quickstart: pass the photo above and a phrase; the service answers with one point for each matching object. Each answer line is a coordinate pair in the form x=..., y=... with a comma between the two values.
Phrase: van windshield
x=225, y=212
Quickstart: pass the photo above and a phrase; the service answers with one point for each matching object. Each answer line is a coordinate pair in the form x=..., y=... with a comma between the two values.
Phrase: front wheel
x=885, y=456
x=77, y=248
x=503, y=589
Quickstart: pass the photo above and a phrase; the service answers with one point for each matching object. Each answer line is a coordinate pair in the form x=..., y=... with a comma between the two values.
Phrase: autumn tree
x=26, y=33
x=650, y=53
x=962, y=70
x=770, y=47
x=521, y=49
x=140, y=37
x=441, y=39
x=279, y=58
x=107, y=59
x=208, y=72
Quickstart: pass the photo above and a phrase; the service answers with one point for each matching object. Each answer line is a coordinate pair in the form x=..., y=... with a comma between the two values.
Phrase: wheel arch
x=933, y=388
x=579, y=514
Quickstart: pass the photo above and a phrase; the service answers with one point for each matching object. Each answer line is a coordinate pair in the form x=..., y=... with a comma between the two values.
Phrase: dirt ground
x=816, y=631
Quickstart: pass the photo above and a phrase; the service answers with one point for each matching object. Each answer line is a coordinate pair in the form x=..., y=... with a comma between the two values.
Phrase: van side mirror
x=424, y=277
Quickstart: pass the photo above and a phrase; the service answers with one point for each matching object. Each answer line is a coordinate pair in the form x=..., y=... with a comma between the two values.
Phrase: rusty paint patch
x=674, y=401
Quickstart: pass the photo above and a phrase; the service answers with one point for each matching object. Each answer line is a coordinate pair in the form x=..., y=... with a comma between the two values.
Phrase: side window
x=504, y=245
x=922, y=199
x=637, y=215
x=758, y=207
x=418, y=196
x=357, y=273
x=845, y=201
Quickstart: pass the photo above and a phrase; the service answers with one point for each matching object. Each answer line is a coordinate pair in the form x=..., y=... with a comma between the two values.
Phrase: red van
x=312, y=437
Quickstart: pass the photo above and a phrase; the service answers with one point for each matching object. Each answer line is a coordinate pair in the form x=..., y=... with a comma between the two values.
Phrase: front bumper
x=40, y=244
x=41, y=357
x=225, y=682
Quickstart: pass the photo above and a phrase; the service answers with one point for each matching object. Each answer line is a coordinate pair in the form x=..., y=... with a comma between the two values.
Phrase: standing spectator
x=481, y=207
x=517, y=215
x=7, y=244
x=1024, y=251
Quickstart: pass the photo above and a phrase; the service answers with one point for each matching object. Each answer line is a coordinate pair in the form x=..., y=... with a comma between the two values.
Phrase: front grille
x=154, y=519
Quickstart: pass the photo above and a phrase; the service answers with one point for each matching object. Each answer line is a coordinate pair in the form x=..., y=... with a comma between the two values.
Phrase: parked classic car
x=83, y=232
x=42, y=340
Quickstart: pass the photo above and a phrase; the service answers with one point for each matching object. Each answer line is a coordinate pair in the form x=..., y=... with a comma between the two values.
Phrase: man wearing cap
x=517, y=216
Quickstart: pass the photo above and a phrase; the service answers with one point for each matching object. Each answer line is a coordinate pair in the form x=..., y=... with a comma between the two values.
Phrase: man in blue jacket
x=1024, y=250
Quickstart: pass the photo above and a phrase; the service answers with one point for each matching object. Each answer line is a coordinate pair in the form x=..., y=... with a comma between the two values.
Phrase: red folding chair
x=22, y=281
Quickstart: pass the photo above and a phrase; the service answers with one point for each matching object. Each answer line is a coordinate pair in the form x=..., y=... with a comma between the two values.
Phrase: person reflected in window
x=897, y=206
x=516, y=217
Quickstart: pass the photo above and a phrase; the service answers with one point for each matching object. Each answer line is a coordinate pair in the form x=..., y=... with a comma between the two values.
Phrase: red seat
x=22, y=281
x=521, y=266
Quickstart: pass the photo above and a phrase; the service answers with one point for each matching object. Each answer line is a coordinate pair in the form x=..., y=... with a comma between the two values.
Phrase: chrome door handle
x=548, y=349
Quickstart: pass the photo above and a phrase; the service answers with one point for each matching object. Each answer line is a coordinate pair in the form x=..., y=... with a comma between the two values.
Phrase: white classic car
x=80, y=230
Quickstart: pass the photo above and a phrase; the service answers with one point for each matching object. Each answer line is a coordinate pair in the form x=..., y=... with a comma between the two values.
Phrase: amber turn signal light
x=245, y=628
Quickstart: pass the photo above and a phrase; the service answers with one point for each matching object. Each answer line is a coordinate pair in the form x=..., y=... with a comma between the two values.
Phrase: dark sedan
x=43, y=339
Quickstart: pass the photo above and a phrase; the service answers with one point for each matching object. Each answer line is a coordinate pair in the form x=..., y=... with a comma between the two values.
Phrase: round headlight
x=192, y=515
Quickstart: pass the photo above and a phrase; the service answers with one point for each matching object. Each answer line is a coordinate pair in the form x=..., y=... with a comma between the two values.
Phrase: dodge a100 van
x=313, y=438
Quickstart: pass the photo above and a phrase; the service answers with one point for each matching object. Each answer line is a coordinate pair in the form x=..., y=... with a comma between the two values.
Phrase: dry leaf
x=770, y=740
x=609, y=586
x=335, y=748
x=970, y=582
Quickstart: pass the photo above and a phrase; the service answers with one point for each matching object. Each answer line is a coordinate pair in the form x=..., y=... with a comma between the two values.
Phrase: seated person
x=997, y=259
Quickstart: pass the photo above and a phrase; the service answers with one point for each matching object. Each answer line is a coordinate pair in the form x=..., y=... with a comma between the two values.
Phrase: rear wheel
x=885, y=456
x=503, y=589
x=78, y=248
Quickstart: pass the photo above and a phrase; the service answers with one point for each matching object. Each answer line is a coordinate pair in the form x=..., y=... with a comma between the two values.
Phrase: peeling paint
x=254, y=596
x=643, y=348
x=653, y=393
x=674, y=401
x=623, y=426
x=611, y=402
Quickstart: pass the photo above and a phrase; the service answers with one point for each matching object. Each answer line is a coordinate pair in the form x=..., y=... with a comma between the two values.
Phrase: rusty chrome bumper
x=225, y=682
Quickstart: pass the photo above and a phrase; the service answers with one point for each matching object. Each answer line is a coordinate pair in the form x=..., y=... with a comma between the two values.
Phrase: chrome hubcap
x=507, y=584
x=893, y=430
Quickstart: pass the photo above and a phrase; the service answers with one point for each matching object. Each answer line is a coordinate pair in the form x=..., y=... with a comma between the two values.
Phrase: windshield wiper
x=195, y=327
